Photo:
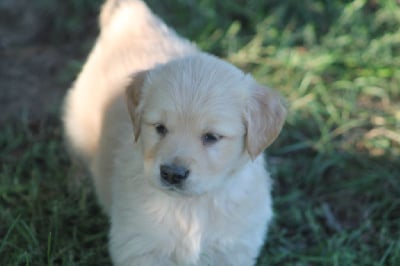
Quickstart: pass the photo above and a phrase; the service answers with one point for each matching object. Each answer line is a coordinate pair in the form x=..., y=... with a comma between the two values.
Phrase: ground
x=336, y=164
x=32, y=62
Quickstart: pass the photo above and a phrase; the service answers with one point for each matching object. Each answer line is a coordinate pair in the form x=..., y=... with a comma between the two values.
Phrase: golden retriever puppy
x=173, y=138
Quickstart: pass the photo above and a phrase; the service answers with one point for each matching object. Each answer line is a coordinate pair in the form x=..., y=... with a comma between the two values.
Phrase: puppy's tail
x=108, y=9
x=137, y=8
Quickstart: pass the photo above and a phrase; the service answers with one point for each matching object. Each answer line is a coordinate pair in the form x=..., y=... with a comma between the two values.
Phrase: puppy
x=173, y=138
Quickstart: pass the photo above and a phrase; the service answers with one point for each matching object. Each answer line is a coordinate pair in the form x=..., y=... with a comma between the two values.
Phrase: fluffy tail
x=110, y=7
x=107, y=11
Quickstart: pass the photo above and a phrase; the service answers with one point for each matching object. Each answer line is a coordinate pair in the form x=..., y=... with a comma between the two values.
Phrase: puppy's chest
x=197, y=235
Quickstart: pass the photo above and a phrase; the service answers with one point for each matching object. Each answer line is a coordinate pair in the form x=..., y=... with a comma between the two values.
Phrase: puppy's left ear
x=264, y=118
x=133, y=97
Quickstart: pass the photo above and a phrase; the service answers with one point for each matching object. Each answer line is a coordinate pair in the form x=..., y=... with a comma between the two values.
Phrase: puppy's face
x=197, y=120
x=190, y=147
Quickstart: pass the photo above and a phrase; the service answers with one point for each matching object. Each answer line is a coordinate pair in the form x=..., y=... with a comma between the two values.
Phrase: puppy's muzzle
x=172, y=174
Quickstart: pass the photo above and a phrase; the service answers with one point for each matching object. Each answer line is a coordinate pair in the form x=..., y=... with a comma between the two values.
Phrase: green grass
x=336, y=164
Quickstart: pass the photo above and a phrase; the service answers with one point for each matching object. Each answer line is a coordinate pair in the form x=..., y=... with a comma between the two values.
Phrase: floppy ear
x=264, y=118
x=133, y=97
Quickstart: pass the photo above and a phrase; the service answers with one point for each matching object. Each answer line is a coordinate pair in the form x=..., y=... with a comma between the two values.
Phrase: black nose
x=173, y=174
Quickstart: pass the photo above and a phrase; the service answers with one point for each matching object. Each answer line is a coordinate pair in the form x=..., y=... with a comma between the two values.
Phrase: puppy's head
x=199, y=120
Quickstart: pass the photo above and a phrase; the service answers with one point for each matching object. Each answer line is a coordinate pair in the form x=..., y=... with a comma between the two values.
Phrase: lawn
x=336, y=165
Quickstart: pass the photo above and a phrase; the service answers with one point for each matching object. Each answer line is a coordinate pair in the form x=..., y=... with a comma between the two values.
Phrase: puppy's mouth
x=179, y=188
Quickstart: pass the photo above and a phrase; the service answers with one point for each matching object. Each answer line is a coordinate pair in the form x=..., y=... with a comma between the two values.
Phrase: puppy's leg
x=239, y=255
x=140, y=250
x=151, y=259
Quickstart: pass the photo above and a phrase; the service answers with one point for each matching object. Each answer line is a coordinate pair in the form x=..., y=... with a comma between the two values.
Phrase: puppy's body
x=189, y=111
x=222, y=228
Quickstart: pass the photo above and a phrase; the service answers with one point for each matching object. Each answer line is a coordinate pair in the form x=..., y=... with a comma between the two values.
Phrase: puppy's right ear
x=133, y=98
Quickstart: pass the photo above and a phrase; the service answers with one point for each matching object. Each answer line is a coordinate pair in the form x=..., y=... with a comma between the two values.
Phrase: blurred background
x=336, y=165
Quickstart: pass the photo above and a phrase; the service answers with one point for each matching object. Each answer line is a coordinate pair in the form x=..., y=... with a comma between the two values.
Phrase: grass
x=336, y=164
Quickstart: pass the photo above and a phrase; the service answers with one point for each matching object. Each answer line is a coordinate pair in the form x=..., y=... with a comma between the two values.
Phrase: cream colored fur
x=139, y=75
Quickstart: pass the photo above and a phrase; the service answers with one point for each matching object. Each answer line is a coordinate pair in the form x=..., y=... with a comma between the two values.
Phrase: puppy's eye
x=161, y=129
x=210, y=138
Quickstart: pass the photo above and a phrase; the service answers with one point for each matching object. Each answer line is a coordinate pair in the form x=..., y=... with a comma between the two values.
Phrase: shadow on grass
x=46, y=219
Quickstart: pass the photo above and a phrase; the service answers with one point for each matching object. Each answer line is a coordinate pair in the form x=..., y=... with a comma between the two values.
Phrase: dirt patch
x=29, y=86
x=30, y=66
